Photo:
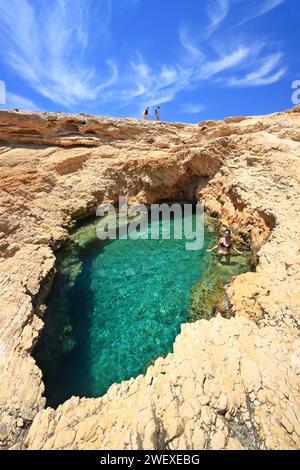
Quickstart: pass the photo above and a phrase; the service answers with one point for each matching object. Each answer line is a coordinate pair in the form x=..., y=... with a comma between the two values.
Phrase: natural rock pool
x=115, y=306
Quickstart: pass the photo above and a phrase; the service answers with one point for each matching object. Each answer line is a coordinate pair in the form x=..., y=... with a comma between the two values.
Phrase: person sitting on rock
x=225, y=246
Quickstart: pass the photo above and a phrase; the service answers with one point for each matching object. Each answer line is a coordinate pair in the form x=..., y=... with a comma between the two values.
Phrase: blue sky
x=197, y=59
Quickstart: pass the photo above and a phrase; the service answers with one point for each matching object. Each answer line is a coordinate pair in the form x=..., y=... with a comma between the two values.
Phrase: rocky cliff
x=230, y=383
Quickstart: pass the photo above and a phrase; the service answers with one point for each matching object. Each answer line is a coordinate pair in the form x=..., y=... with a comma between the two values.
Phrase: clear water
x=116, y=306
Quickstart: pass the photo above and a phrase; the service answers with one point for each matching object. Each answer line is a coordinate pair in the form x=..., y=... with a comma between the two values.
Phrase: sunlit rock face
x=230, y=383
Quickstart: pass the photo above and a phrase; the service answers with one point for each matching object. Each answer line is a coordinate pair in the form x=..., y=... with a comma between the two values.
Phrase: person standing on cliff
x=146, y=113
x=225, y=246
x=157, y=113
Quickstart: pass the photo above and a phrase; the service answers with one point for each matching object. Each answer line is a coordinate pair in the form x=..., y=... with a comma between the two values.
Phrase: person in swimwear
x=225, y=246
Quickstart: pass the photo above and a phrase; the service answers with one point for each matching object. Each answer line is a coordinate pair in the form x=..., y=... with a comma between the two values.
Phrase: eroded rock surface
x=230, y=384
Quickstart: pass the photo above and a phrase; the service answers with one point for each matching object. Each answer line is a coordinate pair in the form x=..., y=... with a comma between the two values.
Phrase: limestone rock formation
x=230, y=383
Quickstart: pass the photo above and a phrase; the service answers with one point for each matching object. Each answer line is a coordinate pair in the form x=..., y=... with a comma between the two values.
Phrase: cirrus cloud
x=49, y=47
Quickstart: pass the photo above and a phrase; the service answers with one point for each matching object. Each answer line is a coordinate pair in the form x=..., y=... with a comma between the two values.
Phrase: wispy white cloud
x=268, y=72
x=14, y=101
x=190, y=108
x=268, y=5
x=45, y=44
x=217, y=10
x=157, y=87
x=150, y=86
x=162, y=86
x=188, y=44
x=224, y=63
x=48, y=45
x=260, y=8
x=248, y=64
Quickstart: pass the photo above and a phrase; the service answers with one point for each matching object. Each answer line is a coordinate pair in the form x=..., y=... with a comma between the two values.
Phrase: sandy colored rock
x=230, y=383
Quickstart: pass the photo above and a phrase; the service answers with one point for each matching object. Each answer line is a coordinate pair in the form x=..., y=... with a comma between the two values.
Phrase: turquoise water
x=115, y=306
